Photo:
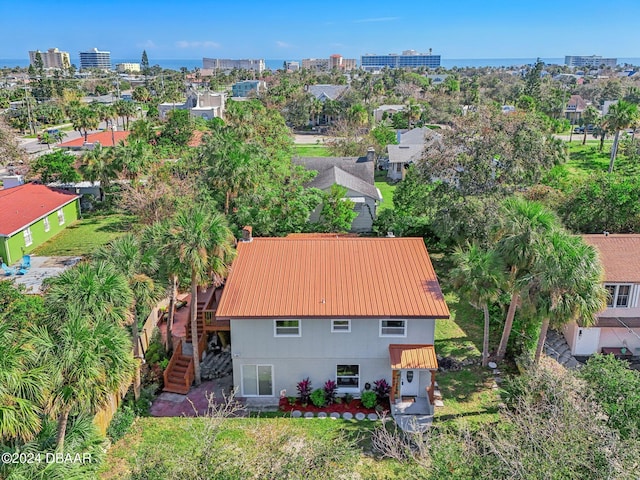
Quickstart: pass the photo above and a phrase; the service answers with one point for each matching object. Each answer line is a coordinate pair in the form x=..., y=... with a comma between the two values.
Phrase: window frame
x=257, y=366
x=615, y=294
x=333, y=326
x=348, y=388
x=61, y=218
x=28, y=237
x=47, y=225
x=402, y=335
x=275, y=328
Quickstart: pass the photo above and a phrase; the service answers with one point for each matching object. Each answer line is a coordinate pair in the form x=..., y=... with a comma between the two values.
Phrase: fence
x=103, y=416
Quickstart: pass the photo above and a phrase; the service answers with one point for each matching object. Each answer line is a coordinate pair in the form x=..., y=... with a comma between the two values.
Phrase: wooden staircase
x=178, y=376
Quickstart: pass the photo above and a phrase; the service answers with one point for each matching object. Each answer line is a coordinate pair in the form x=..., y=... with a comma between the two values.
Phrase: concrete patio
x=413, y=415
x=41, y=269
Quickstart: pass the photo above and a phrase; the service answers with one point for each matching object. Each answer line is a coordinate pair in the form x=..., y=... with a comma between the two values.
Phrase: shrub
x=382, y=389
x=304, y=390
x=121, y=423
x=317, y=398
x=368, y=398
x=330, y=391
x=348, y=398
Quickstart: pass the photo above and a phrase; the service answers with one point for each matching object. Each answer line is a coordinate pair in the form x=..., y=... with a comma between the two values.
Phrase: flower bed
x=353, y=407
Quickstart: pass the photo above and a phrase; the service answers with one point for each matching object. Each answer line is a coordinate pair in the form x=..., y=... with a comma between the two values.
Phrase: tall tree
x=525, y=226
x=589, y=117
x=85, y=118
x=478, y=275
x=566, y=283
x=144, y=63
x=620, y=117
x=205, y=245
x=137, y=265
x=98, y=166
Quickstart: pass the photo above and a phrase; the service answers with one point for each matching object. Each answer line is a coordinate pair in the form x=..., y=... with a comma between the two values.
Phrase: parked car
x=590, y=129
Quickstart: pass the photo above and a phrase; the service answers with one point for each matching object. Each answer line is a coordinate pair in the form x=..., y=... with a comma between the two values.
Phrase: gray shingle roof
x=330, y=92
x=357, y=166
x=417, y=136
x=404, y=153
x=336, y=175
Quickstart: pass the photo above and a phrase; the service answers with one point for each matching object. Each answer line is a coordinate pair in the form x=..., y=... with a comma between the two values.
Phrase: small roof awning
x=412, y=357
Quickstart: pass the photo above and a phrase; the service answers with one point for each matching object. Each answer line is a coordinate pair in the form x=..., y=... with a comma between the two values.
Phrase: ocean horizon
x=274, y=64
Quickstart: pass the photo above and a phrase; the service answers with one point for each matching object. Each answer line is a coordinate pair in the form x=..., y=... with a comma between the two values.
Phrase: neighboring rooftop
x=619, y=254
x=335, y=175
x=106, y=139
x=23, y=205
x=361, y=167
x=337, y=277
x=327, y=92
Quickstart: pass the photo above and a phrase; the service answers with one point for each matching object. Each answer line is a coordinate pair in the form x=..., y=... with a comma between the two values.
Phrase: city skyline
x=291, y=30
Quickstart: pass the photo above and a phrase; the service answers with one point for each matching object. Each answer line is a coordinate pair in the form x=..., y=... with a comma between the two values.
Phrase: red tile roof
x=412, y=357
x=103, y=138
x=619, y=254
x=21, y=206
x=332, y=277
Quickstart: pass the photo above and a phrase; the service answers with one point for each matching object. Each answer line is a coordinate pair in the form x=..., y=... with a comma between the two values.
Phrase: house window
x=348, y=377
x=28, y=239
x=257, y=380
x=618, y=296
x=398, y=167
x=47, y=227
x=287, y=328
x=393, y=328
x=60, y=217
x=340, y=326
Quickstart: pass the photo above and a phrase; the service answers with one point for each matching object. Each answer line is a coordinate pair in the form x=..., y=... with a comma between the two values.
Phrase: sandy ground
x=311, y=139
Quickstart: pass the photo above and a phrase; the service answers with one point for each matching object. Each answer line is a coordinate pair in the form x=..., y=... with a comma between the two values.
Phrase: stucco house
x=349, y=309
x=207, y=105
x=356, y=174
x=31, y=214
x=617, y=328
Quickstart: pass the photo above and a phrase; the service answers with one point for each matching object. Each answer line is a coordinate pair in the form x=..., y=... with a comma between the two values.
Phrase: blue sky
x=284, y=29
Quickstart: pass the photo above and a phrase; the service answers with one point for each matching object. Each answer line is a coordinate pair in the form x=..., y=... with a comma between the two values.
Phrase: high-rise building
x=52, y=58
x=594, y=61
x=257, y=65
x=292, y=65
x=334, y=62
x=409, y=59
x=95, y=58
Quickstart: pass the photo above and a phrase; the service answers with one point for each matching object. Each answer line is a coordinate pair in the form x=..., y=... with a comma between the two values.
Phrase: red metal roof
x=619, y=254
x=21, y=206
x=332, y=277
x=412, y=357
x=103, y=138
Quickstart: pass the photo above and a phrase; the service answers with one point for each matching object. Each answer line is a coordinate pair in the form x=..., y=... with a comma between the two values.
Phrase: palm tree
x=589, y=117
x=621, y=116
x=126, y=110
x=96, y=286
x=92, y=359
x=84, y=118
x=478, y=276
x=525, y=227
x=158, y=237
x=566, y=284
x=204, y=244
x=132, y=160
x=98, y=165
x=129, y=258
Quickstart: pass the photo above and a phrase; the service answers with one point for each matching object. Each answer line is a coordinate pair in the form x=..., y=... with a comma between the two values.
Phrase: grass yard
x=386, y=188
x=311, y=151
x=85, y=235
x=247, y=448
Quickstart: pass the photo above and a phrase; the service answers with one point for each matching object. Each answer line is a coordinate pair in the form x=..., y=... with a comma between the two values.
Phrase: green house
x=30, y=215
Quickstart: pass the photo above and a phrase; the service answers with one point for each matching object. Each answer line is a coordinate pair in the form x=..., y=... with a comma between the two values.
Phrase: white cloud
x=147, y=44
x=378, y=19
x=282, y=44
x=197, y=44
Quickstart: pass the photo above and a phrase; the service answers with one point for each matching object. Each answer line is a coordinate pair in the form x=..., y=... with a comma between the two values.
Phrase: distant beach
x=190, y=64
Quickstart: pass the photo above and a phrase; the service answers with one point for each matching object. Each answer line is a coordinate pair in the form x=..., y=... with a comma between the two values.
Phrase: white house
x=349, y=309
x=411, y=145
x=207, y=105
x=617, y=329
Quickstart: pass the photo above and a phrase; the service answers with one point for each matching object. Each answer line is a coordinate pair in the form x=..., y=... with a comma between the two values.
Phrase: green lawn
x=311, y=151
x=386, y=188
x=85, y=235
x=163, y=444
